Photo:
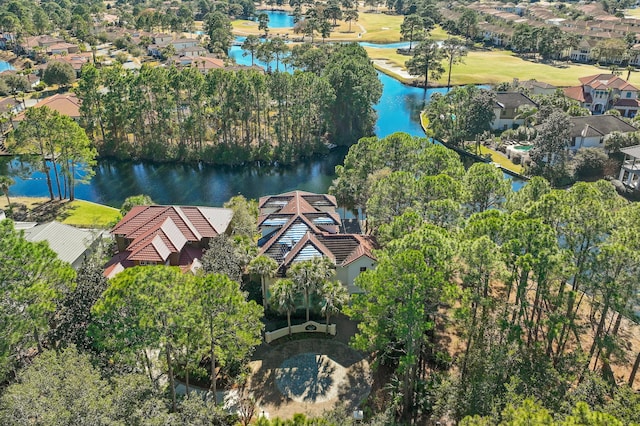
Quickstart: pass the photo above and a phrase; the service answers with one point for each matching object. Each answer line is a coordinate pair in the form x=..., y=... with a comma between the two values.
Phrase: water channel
x=398, y=110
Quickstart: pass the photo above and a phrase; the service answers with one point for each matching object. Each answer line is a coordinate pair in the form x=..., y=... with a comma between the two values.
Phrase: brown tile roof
x=66, y=104
x=342, y=249
x=590, y=78
x=157, y=231
x=192, y=221
x=627, y=103
x=306, y=221
x=577, y=93
x=7, y=104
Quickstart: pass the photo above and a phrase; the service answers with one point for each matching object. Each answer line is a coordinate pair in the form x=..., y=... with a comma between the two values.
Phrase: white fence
x=307, y=327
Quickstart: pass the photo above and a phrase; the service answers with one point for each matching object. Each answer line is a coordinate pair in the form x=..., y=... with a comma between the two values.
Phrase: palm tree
x=284, y=297
x=309, y=276
x=266, y=267
x=5, y=183
x=334, y=296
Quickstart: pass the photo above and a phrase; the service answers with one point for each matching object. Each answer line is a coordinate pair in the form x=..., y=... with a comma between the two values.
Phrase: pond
x=277, y=18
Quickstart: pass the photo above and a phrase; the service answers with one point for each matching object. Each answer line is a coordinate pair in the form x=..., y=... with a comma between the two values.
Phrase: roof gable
x=513, y=100
x=592, y=125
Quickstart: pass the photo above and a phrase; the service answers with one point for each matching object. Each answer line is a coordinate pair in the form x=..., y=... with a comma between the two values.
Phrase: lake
x=277, y=19
x=398, y=111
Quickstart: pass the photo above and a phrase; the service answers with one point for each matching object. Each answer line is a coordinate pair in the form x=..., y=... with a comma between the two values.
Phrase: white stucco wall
x=592, y=142
x=348, y=275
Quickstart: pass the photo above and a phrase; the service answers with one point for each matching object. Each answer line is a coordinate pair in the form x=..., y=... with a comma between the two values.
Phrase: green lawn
x=496, y=157
x=634, y=13
x=379, y=28
x=495, y=66
x=86, y=214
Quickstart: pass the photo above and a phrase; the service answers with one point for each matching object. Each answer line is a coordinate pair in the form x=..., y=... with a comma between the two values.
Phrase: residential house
x=203, y=63
x=582, y=52
x=507, y=110
x=6, y=40
x=192, y=51
x=9, y=108
x=161, y=38
x=535, y=87
x=71, y=244
x=298, y=226
x=32, y=77
x=63, y=48
x=65, y=103
x=592, y=131
x=30, y=45
x=77, y=61
x=184, y=43
x=166, y=235
x=601, y=92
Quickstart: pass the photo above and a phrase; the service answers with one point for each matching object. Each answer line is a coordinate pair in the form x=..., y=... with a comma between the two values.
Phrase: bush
x=589, y=163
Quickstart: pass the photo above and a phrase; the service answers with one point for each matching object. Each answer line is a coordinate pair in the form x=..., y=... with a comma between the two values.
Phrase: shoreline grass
x=500, y=159
x=87, y=214
x=80, y=213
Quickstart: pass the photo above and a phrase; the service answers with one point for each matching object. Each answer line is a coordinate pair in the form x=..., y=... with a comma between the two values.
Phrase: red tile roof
x=627, y=103
x=155, y=232
x=577, y=93
x=598, y=77
x=299, y=223
x=342, y=249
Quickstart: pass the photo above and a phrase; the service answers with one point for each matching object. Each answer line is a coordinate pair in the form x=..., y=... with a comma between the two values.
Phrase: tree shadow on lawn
x=264, y=381
x=44, y=212
x=356, y=386
x=307, y=376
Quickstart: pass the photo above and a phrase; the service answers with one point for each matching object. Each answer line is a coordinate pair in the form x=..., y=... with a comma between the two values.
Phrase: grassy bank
x=371, y=27
x=498, y=158
x=80, y=213
x=496, y=66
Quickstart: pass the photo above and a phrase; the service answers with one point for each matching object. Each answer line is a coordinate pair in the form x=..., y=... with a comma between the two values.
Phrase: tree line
x=229, y=117
x=537, y=285
x=58, y=144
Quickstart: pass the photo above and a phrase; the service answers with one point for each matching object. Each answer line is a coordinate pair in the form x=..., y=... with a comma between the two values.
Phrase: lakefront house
x=299, y=225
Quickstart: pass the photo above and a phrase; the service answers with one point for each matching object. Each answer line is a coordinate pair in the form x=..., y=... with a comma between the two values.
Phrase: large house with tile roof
x=298, y=226
x=602, y=92
x=65, y=103
x=166, y=235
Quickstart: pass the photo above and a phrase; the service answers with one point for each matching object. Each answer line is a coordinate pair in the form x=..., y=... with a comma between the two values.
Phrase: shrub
x=589, y=163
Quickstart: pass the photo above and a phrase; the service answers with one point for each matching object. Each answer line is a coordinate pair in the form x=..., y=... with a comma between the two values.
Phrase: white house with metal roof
x=71, y=244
